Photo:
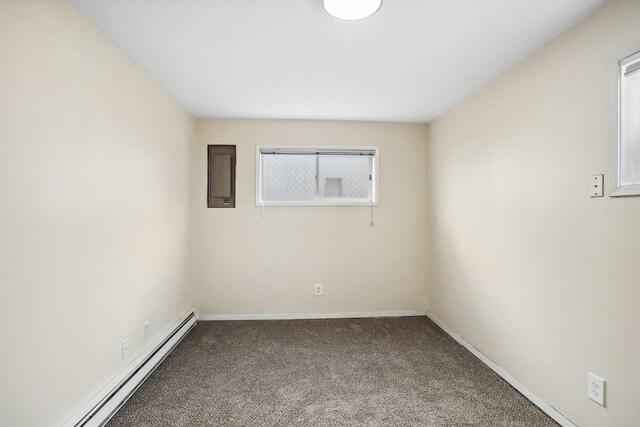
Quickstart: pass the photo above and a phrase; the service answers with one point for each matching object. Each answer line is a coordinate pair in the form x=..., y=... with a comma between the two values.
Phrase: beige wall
x=524, y=265
x=94, y=202
x=253, y=265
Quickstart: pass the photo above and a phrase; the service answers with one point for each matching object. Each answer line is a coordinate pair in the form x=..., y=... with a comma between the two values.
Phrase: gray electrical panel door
x=221, y=188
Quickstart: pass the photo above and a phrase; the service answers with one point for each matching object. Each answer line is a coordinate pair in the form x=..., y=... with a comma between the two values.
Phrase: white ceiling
x=410, y=62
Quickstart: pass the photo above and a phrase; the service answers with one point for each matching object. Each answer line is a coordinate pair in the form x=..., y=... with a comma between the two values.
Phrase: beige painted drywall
x=95, y=179
x=524, y=265
x=248, y=264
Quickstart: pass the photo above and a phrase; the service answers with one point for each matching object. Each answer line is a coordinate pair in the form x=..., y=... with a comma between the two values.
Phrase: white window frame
x=617, y=68
x=375, y=167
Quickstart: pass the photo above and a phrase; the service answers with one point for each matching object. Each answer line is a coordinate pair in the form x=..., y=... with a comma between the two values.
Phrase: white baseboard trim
x=347, y=315
x=535, y=399
x=101, y=407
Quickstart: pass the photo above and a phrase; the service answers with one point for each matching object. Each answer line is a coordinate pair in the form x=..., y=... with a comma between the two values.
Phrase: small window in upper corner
x=629, y=127
x=316, y=176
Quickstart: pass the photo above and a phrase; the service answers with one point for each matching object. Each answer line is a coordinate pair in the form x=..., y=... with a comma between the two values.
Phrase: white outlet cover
x=125, y=348
x=317, y=289
x=146, y=328
x=595, y=388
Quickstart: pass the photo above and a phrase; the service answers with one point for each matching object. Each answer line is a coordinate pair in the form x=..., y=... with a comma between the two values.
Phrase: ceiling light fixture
x=351, y=10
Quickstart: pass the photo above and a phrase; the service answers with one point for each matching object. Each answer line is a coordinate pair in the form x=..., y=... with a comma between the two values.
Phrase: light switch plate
x=596, y=186
x=595, y=388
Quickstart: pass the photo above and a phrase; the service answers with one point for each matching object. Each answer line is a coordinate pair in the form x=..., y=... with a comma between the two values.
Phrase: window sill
x=316, y=204
x=625, y=191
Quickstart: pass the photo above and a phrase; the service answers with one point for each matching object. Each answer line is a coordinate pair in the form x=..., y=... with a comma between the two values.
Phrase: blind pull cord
x=371, y=215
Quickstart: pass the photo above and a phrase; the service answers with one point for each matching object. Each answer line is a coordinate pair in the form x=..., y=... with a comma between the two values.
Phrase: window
x=316, y=176
x=628, y=131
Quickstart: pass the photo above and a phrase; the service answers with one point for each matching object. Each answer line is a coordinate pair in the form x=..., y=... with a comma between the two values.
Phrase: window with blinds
x=316, y=176
x=629, y=127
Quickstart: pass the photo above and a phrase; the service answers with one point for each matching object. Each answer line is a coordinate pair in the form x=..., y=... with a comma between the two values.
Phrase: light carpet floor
x=336, y=372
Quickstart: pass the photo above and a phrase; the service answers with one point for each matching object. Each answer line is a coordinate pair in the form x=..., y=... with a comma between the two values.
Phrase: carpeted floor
x=343, y=372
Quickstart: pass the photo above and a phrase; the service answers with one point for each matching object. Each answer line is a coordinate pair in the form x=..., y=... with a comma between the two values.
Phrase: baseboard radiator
x=100, y=414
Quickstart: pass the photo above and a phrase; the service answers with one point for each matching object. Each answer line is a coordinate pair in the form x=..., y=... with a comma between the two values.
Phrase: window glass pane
x=344, y=177
x=630, y=128
x=287, y=178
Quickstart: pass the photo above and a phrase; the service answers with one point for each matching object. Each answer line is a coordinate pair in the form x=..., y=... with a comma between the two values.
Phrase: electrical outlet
x=125, y=348
x=595, y=388
x=146, y=329
x=317, y=289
